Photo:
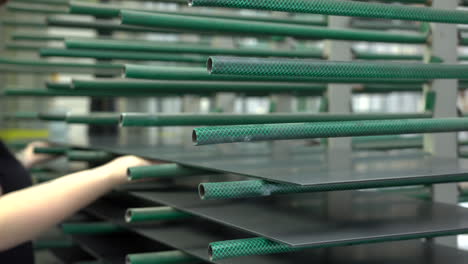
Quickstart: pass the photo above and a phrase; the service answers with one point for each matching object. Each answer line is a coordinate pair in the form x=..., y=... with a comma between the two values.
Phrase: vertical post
x=339, y=95
x=444, y=44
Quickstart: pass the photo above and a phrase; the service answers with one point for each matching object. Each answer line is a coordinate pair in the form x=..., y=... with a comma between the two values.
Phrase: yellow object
x=22, y=134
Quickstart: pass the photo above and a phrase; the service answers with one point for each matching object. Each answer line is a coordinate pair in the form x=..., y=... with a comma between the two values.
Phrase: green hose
x=201, y=74
x=164, y=257
x=38, y=63
x=94, y=118
x=330, y=69
x=89, y=155
x=120, y=55
x=251, y=133
x=135, y=215
x=132, y=119
x=198, y=87
x=52, y=93
x=91, y=228
x=51, y=150
x=229, y=26
x=260, y=188
x=45, y=2
x=345, y=8
x=58, y=85
x=23, y=8
x=152, y=46
x=52, y=116
x=35, y=37
x=162, y=171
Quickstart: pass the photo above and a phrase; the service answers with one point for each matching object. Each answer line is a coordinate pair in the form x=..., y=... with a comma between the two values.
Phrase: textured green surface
x=345, y=8
x=251, y=133
x=51, y=150
x=198, y=87
x=229, y=26
x=201, y=74
x=89, y=155
x=94, y=118
x=323, y=69
x=162, y=171
x=120, y=55
x=130, y=119
x=152, y=46
x=91, y=228
x=259, y=188
x=135, y=215
x=165, y=257
x=114, y=11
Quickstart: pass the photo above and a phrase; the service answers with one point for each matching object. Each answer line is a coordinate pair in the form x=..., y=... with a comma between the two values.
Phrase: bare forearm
x=25, y=214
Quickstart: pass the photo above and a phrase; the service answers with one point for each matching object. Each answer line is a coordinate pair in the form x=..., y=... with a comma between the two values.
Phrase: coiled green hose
x=345, y=8
x=230, y=26
x=323, y=69
x=251, y=133
x=133, y=119
x=260, y=188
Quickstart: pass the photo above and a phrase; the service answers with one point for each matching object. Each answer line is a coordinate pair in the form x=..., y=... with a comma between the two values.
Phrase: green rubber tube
x=91, y=228
x=94, y=118
x=322, y=69
x=152, y=46
x=22, y=46
x=44, y=2
x=262, y=246
x=260, y=188
x=38, y=63
x=52, y=116
x=162, y=213
x=162, y=171
x=46, y=244
x=35, y=37
x=251, y=133
x=229, y=26
x=58, y=85
x=120, y=55
x=383, y=25
x=22, y=23
x=201, y=74
x=198, y=87
x=22, y=115
x=134, y=119
x=164, y=257
x=23, y=8
x=51, y=150
x=52, y=93
x=107, y=10
x=345, y=8
x=89, y=155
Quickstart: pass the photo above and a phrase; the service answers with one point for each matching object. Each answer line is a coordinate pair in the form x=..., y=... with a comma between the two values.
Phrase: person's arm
x=26, y=213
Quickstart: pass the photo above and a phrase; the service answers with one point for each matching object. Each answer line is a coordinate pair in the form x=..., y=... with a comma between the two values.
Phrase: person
x=25, y=212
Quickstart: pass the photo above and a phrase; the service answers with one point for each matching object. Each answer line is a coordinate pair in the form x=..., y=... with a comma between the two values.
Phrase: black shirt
x=13, y=176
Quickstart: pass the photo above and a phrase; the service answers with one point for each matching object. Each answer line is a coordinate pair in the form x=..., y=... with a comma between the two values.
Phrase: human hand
x=30, y=159
x=116, y=170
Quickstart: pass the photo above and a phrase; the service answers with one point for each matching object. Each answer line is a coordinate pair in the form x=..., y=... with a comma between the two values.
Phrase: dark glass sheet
x=323, y=219
x=293, y=161
x=193, y=238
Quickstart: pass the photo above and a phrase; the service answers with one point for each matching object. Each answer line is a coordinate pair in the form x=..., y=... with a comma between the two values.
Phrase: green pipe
x=38, y=63
x=35, y=37
x=135, y=215
x=197, y=87
x=387, y=88
x=101, y=25
x=89, y=155
x=382, y=25
x=22, y=46
x=152, y=46
x=91, y=228
x=45, y=244
x=262, y=246
x=114, y=11
x=162, y=171
x=44, y=2
x=324, y=69
x=201, y=74
x=23, y=8
x=251, y=133
x=131, y=119
x=260, y=188
x=226, y=26
x=120, y=55
x=51, y=93
x=51, y=150
x=94, y=118
x=52, y=116
x=345, y=8
x=164, y=257
x=28, y=24
x=22, y=115
x=58, y=85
